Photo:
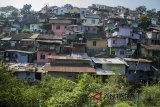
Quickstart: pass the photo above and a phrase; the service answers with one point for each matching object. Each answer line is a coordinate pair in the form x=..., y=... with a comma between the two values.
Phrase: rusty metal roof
x=75, y=69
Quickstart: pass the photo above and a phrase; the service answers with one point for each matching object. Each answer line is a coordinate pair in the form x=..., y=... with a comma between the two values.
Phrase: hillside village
x=67, y=41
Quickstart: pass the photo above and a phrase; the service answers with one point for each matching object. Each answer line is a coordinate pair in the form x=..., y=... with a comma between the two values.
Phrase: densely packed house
x=67, y=41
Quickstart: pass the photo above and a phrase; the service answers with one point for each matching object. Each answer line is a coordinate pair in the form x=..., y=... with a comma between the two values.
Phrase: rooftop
x=74, y=57
x=19, y=67
x=48, y=37
x=58, y=21
x=151, y=47
x=109, y=61
x=20, y=51
x=137, y=60
x=74, y=69
x=92, y=16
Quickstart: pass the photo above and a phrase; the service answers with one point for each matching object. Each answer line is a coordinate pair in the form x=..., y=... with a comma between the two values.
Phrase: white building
x=109, y=66
x=36, y=27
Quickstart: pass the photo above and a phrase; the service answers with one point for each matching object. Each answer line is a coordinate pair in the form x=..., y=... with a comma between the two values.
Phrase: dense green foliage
x=143, y=21
x=59, y=92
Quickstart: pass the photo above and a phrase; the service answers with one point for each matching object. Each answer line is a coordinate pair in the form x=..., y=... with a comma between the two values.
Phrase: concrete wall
x=23, y=75
x=118, y=52
x=58, y=31
x=124, y=32
x=91, y=20
x=118, y=42
x=99, y=44
x=35, y=27
x=39, y=55
x=84, y=12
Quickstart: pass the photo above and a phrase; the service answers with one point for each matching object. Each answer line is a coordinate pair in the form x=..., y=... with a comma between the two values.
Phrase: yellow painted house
x=96, y=45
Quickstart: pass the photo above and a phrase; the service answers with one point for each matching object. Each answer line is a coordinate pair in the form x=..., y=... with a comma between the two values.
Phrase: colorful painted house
x=92, y=19
x=19, y=56
x=85, y=28
x=59, y=26
x=96, y=45
x=47, y=45
x=84, y=12
x=117, y=46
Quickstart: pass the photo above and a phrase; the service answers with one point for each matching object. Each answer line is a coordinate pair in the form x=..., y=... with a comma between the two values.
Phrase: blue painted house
x=20, y=56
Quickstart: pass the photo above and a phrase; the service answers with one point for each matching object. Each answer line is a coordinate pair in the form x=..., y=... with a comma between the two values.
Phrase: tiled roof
x=151, y=47
x=75, y=69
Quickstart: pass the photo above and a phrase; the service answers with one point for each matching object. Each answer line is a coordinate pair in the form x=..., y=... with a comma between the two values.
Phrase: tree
x=122, y=104
x=158, y=16
x=150, y=95
x=14, y=93
x=141, y=9
x=8, y=8
x=151, y=13
x=26, y=9
x=14, y=13
x=77, y=94
x=143, y=21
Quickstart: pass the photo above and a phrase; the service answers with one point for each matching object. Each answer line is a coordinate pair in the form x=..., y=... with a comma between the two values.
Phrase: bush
x=25, y=31
x=122, y=104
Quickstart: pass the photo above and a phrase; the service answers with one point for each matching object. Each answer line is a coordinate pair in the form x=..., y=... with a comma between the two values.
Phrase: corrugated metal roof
x=6, y=38
x=74, y=69
x=151, y=47
x=137, y=60
x=67, y=57
x=34, y=36
x=57, y=21
x=20, y=51
x=109, y=61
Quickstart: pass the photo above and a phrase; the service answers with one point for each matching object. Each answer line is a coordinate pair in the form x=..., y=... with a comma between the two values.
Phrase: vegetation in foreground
x=58, y=92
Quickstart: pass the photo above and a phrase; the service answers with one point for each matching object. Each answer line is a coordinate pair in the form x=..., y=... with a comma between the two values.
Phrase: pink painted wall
x=42, y=60
x=58, y=31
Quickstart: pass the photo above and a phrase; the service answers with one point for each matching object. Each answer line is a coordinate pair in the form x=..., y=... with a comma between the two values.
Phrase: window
x=94, y=29
x=94, y=43
x=27, y=73
x=42, y=56
x=99, y=65
x=82, y=12
x=57, y=27
x=121, y=52
x=114, y=41
x=93, y=21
